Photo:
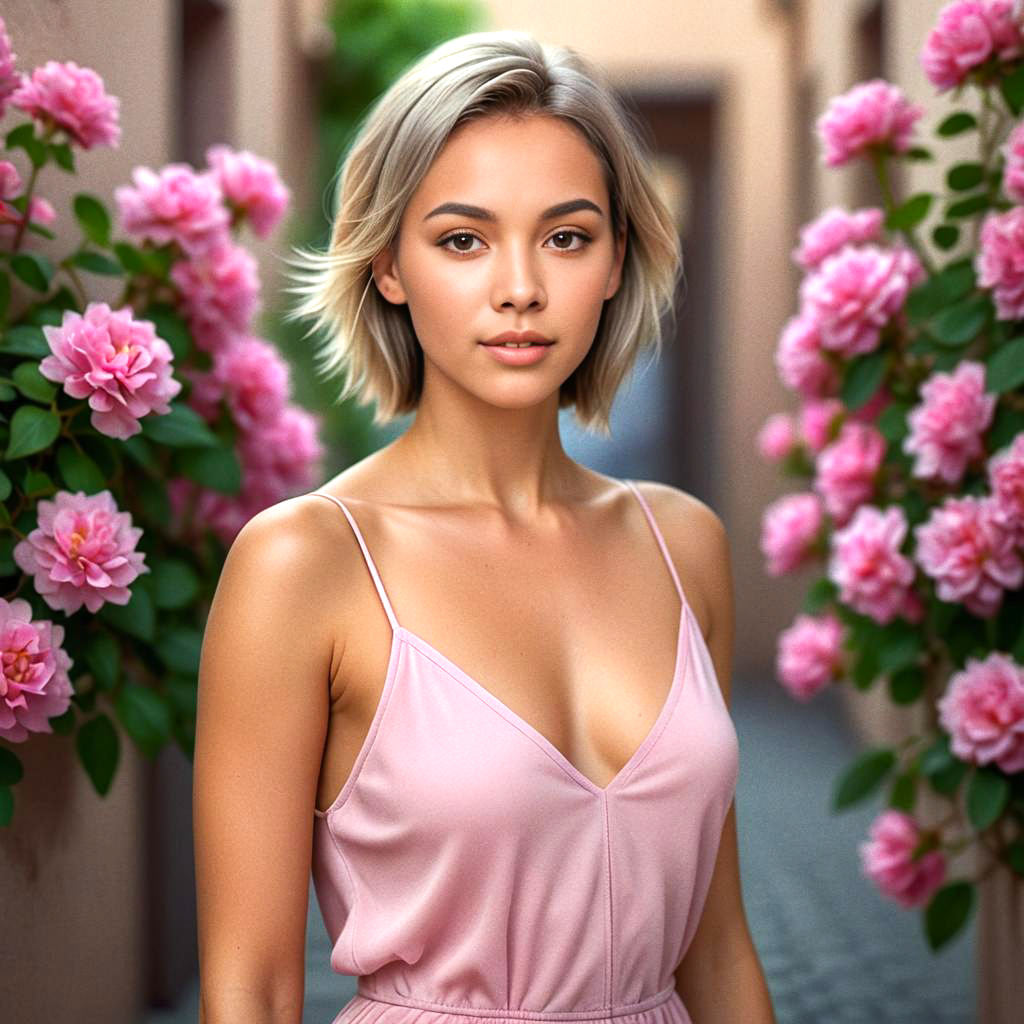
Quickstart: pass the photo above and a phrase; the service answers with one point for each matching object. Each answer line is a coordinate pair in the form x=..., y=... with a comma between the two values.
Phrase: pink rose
x=946, y=428
x=9, y=78
x=116, y=362
x=999, y=262
x=983, y=712
x=10, y=179
x=1013, y=169
x=832, y=230
x=251, y=184
x=253, y=378
x=81, y=552
x=790, y=527
x=846, y=469
x=801, y=364
x=874, y=114
x=281, y=455
x=816, y=421
x=809, y=654
x=1006, y=481
x=966, y=547
x=888, y=859
x=34, y=682
x=220, y=293
x=856, y=292
x=777, y=437
x=174, y=205
x=72, y=98
x=866, y=565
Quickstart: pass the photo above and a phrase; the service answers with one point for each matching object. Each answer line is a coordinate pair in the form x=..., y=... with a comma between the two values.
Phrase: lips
x=519, y=337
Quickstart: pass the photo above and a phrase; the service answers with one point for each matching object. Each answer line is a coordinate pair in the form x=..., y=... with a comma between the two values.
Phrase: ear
x=384, y=269
x=615, y=278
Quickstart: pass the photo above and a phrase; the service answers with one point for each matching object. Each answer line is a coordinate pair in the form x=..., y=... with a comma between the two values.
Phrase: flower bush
x=907, y=363
x=139, y=435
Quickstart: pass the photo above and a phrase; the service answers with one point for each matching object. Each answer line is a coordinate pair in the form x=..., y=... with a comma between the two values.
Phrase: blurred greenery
x=375, y=41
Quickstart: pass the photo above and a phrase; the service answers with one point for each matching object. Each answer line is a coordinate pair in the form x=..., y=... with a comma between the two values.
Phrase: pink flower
x=34, y=683
x=1013, y=170
x=10, y=179
x=866, y=565
x=9, y=78
x=220, y=293
x=817, y=416
x=983, y=712
x=846, y=469
x=889, y=860
x=809, y=654
x=874, y=114
x=252, y=184
x=999, y=262
x=790, y=527
x=801, y=364
x=946, y=428
x=253, y=378
x=40, y=211
x=856, y=292
x=174, y=205
x=777, y=437
x=116, y=362
x=81, y=552
x=281, y=455
x=72, y=98
x=1006, y=481
x=834, y=229
x=967, y=33
x=966, y=547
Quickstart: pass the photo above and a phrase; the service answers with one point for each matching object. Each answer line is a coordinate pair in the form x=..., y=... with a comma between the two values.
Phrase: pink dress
x=467, y=870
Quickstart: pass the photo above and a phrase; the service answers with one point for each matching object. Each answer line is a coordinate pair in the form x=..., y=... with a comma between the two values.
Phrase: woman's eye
x=464, y=239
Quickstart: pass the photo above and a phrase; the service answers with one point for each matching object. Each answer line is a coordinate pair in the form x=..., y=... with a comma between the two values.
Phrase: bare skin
x=540, y=578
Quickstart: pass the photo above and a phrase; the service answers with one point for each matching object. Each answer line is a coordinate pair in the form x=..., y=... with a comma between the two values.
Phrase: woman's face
x=510, y=230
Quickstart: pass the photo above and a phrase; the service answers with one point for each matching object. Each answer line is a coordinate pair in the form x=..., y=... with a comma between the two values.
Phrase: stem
x=880, y=162
x=36, y=168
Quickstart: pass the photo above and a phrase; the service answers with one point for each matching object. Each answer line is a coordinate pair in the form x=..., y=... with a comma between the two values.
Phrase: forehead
x=502, y=158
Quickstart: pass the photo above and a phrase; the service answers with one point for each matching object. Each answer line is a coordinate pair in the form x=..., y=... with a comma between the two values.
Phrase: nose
x=517, y=280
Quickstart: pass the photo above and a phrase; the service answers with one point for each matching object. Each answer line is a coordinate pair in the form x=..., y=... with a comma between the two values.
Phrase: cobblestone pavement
x=832, y=949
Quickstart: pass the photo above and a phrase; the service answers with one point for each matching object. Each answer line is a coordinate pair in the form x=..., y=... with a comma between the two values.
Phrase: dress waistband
x=601, y=1013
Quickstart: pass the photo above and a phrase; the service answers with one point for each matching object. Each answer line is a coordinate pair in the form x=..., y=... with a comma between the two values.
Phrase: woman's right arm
x=264, y=682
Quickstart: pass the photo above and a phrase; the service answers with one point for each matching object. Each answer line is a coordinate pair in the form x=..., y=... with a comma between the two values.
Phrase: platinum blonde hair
x=370, y=341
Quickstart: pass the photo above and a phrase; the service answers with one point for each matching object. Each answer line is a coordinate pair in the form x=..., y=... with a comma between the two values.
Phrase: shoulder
x=699, y=546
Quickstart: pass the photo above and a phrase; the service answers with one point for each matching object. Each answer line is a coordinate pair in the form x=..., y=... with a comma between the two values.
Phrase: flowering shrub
x=907, y=363
x=138, y=435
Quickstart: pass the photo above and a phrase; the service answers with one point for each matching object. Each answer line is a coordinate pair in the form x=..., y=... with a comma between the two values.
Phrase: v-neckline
x=451, y=668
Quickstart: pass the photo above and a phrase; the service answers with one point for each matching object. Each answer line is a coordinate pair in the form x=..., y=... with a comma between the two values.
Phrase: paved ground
x=833, y=950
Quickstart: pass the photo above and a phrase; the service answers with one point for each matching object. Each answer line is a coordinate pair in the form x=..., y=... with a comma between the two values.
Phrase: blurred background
x=98, y=893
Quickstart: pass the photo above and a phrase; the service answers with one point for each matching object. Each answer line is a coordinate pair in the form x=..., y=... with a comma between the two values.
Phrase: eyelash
x=442, y=243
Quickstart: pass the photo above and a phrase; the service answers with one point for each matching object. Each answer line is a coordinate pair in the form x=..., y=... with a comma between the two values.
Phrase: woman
x=464, y=680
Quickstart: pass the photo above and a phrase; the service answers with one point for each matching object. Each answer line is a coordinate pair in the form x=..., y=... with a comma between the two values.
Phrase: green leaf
x=137, y=617
x=862, y=777
x=945, y=236
x=93, y=218
x=1015, y=856
x=96, y=263
x=901, y=645
x=216, y=468
x=25, y=340
x=145, y=716
x=957, y=122
x=962, y=177
x=949, y=285
x=34, y=268
x=179, y=649
x=961, y=323
x=32, y=430
x=103, y=656
x=892, y=421
x=910, y=213
x=1012, y=88
x=32, y=384
x=171, y=326
x=63, y=725
x=918, y=153
x=24, y=137
x=821, y=593
x=11, y=769
x=903, y=794
x=99, y=747
x=865, y=668
x=79, y=472
x=183, y=693
x=5, y=294
x=947, y=912
x=987, y=795
x=6, y=805
x=63, y=156
x=907, y=685
x=863, y=377
x=968, y=207
x=129, y=257
x=182, y=427
x=175, y=583
x=1005, y=367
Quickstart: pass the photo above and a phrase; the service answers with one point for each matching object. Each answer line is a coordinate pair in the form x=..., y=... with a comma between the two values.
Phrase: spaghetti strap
x=381, y=593
x=660, y=539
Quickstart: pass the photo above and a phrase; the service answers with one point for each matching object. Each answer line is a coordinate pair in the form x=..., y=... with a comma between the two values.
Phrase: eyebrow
x=480, y=213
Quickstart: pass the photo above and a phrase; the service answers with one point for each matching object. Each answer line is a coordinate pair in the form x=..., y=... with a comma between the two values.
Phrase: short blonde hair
x=372, y=341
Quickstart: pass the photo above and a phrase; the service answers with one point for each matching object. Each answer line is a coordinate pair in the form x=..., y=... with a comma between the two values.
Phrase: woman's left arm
x=720, y=979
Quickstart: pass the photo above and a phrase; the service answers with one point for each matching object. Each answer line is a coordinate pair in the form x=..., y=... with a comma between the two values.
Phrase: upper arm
x=260, y=728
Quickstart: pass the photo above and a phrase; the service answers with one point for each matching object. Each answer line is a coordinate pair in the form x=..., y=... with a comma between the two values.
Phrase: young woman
x=480, y=689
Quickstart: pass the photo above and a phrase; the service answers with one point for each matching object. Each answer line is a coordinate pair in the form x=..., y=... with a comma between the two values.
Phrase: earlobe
x=386, y=278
